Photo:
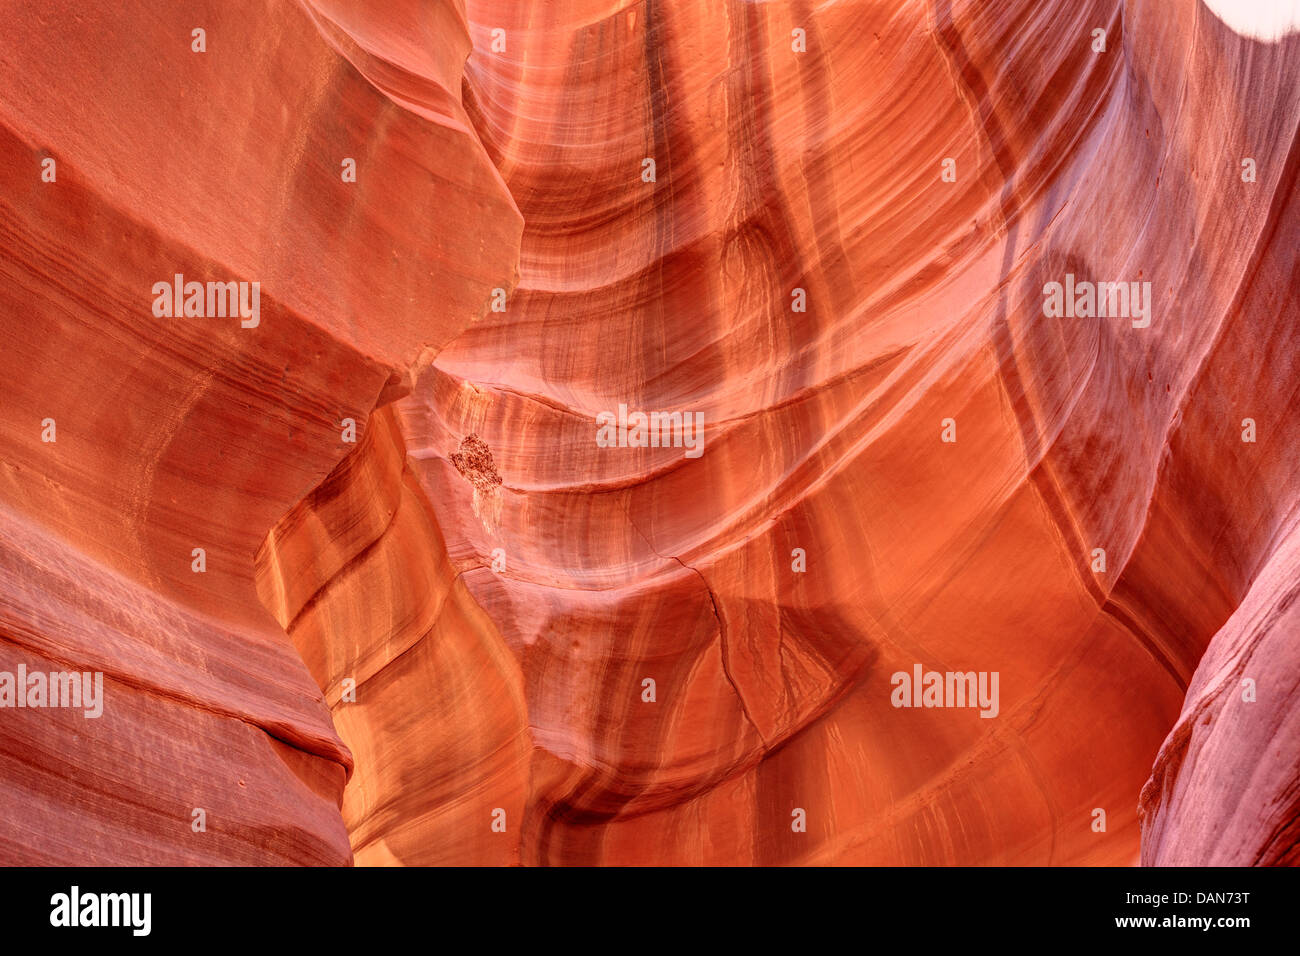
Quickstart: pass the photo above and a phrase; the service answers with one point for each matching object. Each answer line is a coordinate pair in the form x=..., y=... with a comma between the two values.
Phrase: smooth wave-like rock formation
x=175, y=434
x=479, y=635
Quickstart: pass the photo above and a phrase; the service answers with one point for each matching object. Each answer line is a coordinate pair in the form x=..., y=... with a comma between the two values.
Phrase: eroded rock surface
x=483, y=634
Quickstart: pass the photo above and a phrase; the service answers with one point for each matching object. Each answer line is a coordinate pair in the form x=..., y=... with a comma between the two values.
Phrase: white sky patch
x=1268, y=20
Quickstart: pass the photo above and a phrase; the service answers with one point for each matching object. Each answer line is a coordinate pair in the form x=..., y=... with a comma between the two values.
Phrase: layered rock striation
x=452, y=611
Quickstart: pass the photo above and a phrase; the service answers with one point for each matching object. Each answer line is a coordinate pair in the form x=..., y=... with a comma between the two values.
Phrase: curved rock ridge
x=422, y=687
x=144, y=456
x=823, y=430
x=1223, y=789
x=448, y=613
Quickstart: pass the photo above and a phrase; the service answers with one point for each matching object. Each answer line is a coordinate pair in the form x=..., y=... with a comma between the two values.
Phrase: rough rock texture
x=475, y=591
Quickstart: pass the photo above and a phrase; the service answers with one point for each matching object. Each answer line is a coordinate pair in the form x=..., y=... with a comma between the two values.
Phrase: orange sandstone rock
x=444, y=619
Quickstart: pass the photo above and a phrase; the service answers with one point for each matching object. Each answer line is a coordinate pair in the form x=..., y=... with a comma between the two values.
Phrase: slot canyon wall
x=375, y=574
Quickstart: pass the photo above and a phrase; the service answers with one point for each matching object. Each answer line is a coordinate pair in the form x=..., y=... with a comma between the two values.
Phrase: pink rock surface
x=176, y=434
x=430, y=646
